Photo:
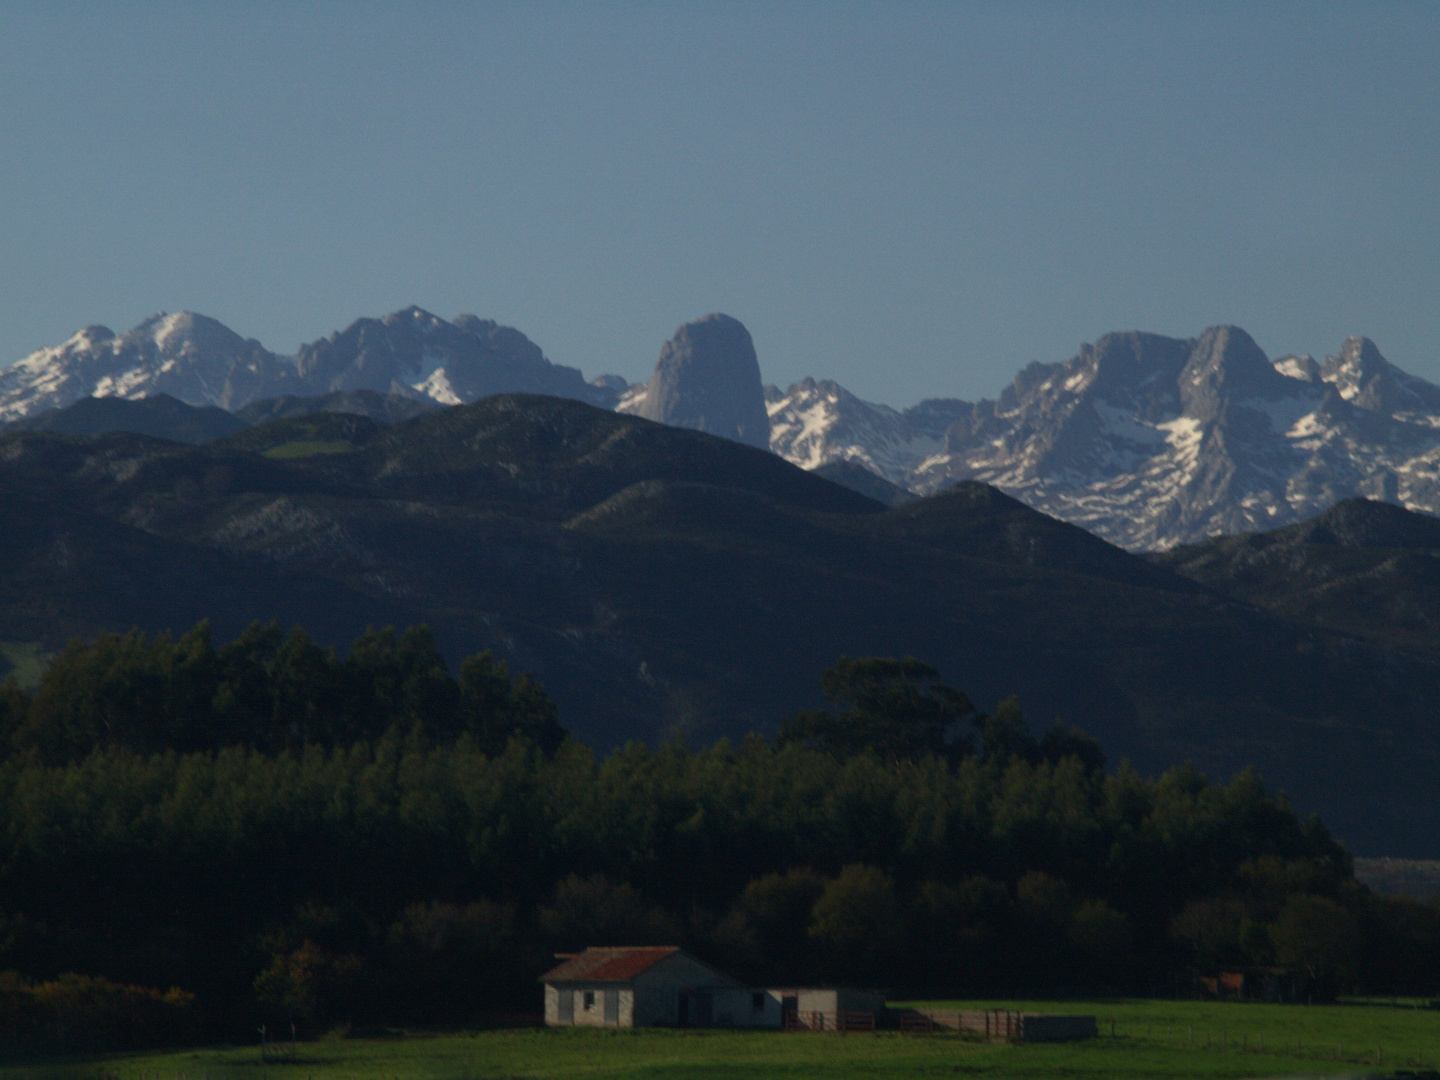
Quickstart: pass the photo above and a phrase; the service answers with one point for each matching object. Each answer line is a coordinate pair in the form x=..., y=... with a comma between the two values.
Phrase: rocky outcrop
x=417, y=354
x=707, y=379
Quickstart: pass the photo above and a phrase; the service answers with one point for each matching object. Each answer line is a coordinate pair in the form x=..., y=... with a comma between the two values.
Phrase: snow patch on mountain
x=815, y=423
x=1148, y=441
x=188, y=356
x=1151, y=441
x=632, y=400
x=201, y=362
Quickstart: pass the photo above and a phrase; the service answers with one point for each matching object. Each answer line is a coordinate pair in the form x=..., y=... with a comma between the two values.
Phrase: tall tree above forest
x=897, y=709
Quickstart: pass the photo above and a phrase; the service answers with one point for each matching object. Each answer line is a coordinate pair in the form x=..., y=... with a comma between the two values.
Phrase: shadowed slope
x=1363, y=567
x=159, y=416
x=660, y=581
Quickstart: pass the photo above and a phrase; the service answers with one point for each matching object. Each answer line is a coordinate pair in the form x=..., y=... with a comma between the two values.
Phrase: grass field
x=1152, y=1040
x=302, y=448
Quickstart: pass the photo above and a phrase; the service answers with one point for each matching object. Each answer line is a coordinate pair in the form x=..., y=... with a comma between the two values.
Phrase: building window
x=757, y=1002
x=589, y=1000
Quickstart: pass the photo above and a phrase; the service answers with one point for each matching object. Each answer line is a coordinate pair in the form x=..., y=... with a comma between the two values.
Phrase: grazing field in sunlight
x=1151, y=1039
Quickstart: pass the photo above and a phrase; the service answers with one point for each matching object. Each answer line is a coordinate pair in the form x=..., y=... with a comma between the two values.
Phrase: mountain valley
x=662, y=582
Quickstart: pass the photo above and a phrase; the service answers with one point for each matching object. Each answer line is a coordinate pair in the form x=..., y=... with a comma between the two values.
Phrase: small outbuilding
x=642, y=986
x=829, y=1009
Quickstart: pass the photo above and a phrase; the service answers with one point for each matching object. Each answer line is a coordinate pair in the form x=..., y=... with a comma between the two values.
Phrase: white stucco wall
x=648, y=1000
x=594, y=1016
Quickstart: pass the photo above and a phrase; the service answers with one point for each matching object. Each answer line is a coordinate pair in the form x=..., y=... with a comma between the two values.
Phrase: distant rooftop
x=608, y=964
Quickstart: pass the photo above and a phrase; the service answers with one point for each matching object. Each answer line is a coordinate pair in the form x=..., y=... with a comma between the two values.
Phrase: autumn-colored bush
x=83, y=1012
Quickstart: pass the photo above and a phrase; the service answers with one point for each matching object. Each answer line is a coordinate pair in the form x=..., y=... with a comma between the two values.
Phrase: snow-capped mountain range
x=189, y=357
x=200, y=361
x=1151, y=441
x=1146, y=440
x=817, y=422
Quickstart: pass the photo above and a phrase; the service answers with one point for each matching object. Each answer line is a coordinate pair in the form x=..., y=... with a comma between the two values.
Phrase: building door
x=683, y=1013
x=612, y=1008
x=704, y=1008
x=566, y=1007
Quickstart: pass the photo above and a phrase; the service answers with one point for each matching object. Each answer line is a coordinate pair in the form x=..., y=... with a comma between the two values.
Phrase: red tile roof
x=609, y=965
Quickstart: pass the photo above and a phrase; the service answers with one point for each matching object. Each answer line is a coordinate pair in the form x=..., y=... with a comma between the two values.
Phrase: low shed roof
x=609, y=965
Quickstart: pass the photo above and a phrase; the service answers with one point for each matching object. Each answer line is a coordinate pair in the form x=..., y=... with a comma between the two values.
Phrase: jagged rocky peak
x=505, y=340
x=1366, y=379
x=1303, y=368
x=708, y=379
x=417, y=354
x=1138, y=367
x=1357, y=363
x=1225, y=363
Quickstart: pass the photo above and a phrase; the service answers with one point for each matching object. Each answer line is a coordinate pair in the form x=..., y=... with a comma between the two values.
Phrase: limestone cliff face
x=707, y=379
x=1151, y=441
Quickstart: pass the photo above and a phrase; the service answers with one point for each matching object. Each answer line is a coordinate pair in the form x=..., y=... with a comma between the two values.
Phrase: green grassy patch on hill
x=1151, y=1039
x=303, y=448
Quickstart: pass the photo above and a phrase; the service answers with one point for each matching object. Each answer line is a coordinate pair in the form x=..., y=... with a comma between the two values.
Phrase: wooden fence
x=999, y=1025
x=845, y=1020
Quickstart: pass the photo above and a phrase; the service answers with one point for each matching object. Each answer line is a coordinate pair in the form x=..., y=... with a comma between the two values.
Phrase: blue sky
x=914, y=199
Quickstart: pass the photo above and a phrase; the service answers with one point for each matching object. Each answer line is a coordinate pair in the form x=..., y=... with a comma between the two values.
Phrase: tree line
x=290, y=835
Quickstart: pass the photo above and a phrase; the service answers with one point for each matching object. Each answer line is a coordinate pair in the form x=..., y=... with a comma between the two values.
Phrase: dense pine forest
x=196, y=839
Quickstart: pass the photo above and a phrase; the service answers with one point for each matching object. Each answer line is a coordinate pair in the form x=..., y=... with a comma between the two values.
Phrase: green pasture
x=302, y=448
x=1151, y=1040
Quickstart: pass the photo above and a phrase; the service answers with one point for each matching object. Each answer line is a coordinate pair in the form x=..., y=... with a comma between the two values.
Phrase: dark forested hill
x=661, y=581
x=159, y=415
x=1364, y=567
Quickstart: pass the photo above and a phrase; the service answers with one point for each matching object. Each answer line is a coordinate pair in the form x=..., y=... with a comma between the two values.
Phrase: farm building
x=663, y=986
x=633, y=987
x=829, y=1009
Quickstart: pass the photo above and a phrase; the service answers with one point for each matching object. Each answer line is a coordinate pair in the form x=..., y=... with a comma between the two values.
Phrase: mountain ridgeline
x=1151, y=441
x=1148, y=441
x=666, y=583
x=197, y=360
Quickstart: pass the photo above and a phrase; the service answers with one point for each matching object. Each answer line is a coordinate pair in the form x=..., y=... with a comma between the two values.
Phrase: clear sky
x=913, y=199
